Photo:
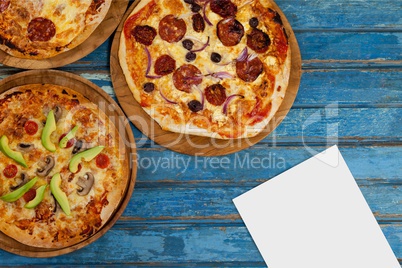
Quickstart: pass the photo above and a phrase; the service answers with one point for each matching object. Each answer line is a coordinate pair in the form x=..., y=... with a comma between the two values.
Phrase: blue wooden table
x=181, y=213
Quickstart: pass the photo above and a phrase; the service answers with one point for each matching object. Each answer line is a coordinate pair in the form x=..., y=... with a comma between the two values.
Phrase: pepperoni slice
x=186, y=76
x=224, y=8
x=172, y=29
x=215, y=94
x=31, y=127
x=30, y=195
x=41, y=29
x=198, y=23
x=10, y=171
x=258, y=41
x=230, y=31
x=249, y=70
x=4, y=5
x=102, y=161
x=165, y=65
x=144, y=34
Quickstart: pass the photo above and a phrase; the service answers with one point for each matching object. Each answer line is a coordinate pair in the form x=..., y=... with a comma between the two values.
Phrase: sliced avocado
x=15, y=195
x=50, y=126
x=40, y=194
x=16, y=156
x=69, y=136
x=87, y=155
x=60, y=196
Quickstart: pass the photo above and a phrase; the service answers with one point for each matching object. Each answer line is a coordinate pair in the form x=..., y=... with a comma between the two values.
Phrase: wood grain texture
x=100, y=35
x=204, y=245
x=181, y=217
x=191, y=144
x=126, y=142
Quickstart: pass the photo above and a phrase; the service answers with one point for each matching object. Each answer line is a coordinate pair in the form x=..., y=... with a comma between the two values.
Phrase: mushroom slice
x=58, y=111
x=25, y=147
x=23, y=180
x=45, y=170
x=85, y=183
x=79, y=146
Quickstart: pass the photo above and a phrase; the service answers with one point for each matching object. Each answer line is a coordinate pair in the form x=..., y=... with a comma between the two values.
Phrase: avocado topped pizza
x=62, y=166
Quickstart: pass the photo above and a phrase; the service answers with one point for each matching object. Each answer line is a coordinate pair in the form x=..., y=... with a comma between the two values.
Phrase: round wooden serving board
x=112, y=110
x=191, y=144
x=100, y=35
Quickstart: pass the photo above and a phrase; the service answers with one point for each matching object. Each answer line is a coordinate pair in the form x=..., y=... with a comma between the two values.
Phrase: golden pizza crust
x=47, y=225
x=172, y=115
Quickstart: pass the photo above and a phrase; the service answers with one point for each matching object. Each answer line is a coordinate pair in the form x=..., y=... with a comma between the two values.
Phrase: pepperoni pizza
x=42, y=29
x=215, y=68
x=62, y=166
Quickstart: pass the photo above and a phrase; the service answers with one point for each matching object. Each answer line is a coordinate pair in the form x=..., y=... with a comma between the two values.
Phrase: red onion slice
x=222, y=75
x=202, y=48
x=149, y=66
x=228, y=100
x=153, y=76
x=149, y=60
x=243, y=55
x=204, y=12
x=252, y=56
x=166, y=99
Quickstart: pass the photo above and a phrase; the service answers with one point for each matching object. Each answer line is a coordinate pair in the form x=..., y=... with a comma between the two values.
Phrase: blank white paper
x=315, y=216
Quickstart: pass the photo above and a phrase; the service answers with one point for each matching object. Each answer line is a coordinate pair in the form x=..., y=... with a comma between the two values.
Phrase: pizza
x=63, y=170
x=42, y=29
x=215, y=68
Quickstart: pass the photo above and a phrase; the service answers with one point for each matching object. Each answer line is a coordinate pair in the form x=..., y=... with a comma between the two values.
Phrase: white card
x=315, y=216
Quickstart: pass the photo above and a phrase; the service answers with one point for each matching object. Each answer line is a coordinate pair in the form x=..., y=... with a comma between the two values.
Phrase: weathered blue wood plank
x=350, y=88
x=259, y=163
x=350, y=45
x=352, y=122
x=189, y=204
x=173, y=244
x=350, y=14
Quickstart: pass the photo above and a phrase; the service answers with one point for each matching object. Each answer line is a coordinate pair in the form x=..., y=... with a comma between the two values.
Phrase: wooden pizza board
x=190, y=144
x=112, y=110
x=100, y=35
